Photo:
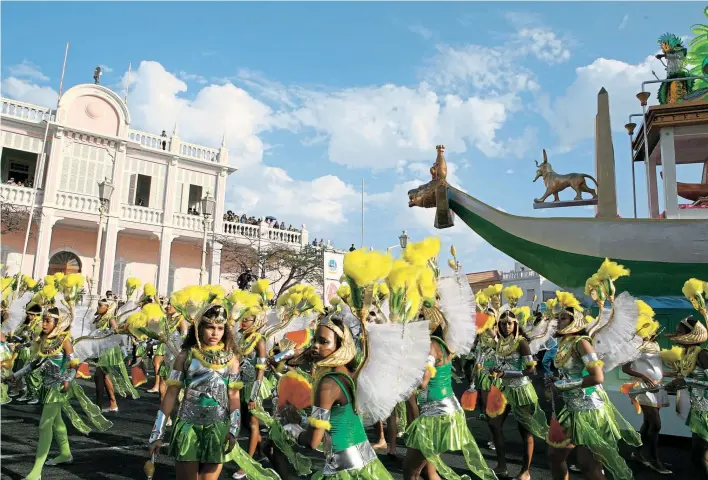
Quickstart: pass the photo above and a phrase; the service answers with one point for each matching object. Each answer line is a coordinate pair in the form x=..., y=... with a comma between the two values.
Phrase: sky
x=313, y=98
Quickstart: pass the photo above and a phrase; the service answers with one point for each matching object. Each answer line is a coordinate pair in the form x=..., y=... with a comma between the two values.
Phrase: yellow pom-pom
x=149, y=290
x=692, y=288
x=512, y=293
x=610, y=270
x=568, y=300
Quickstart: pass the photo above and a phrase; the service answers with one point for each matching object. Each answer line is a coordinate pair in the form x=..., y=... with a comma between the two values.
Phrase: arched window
x=65, y=262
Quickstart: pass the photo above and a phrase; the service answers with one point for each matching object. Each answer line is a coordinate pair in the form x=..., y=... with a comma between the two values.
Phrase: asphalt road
x=119, y=454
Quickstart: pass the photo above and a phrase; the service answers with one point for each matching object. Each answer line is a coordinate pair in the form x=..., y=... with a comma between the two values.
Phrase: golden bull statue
x=556, y=183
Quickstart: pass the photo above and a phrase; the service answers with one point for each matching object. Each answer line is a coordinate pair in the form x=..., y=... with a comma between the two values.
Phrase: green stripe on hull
x=570, y=270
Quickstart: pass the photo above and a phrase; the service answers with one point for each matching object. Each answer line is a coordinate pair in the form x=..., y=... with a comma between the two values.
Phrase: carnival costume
x=588, y=418
x=23, y=338
x=441, y=426
x=684, y=360
x=204, y=418
x=58, y=368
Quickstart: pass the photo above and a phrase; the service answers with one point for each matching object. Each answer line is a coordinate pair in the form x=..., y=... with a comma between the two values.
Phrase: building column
x=163, y=267
x=652, y=193
x=215, y=265
x=44, y=242
x=170, y=187
x=108, y=256
x=220, y=197
x=668, y=164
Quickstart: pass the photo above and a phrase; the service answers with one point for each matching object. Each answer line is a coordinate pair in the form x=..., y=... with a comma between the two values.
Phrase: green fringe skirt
x=434, y=435
x=111, y=361
x=524, y=405
x=374, y=470
x=599, y=430
x=91, y=411
x=697, y=421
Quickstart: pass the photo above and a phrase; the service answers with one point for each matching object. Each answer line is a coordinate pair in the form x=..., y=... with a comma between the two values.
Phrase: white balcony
x=148, y=140
x=262, y=231
x=147, y=216
x=241, y=229
x=77, y=202
x=24, y=111
x=199, y=152
x=187, y=221
x=21, y=196
x=519, y=275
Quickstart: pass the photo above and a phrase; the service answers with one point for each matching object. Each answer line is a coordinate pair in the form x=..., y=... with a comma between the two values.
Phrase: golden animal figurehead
x=544, y=168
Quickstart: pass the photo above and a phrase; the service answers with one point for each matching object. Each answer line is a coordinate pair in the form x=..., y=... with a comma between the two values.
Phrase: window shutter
x=185, y=198
x=131, y=190
x=154, y=191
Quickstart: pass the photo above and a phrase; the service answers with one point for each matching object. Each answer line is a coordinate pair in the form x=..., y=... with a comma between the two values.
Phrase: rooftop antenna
x=127, y=84
x=97, y=72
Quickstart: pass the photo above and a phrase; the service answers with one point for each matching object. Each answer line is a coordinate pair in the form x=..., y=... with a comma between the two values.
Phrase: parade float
x=662, y=251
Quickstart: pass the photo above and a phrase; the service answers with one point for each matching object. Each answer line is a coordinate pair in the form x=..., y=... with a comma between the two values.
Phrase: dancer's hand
x=66, y=387
x=651, y=383
x=9, y=379
x=230, y=443
x=154, y=447
x=251, y=405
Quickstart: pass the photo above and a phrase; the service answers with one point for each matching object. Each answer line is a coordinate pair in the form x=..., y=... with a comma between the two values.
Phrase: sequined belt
x=580, y=401
x=699, y=402
x=514, y=382
x=437, y=408
x=201, y=415
x=352, y=458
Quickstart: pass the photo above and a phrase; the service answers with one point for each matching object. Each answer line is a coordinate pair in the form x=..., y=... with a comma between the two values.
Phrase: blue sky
x=313, y=97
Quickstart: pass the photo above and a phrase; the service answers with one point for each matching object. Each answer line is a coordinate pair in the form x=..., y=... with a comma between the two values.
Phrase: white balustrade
x=241, y=229
x=25, y=111
x=187, y=221
x=77, y=202
x=15, y=195
x=134, y=213
x=519, y=275
x=199, y=152
x=148, y=140
x=281, y=236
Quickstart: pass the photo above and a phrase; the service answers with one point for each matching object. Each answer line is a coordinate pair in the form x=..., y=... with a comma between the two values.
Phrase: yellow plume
x=673, y=355
x=610, y=270
x=568, y=300
x=692, y=288
x=512, y=293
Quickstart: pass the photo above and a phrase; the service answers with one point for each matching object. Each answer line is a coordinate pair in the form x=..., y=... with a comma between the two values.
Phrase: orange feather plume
x=496, y=402
x=295, y=390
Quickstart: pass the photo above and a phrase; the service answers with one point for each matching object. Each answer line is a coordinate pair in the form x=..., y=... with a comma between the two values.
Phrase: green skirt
x=159, y=350
x=697, y=421
x=264, y=393
x=111, y=361
x=4, y=397
x=91, y=411
x=284, y=442
x=599, y=430
x=373, y=471
x=198, y=443
x=434, y=435
x=483, y=381
x=524, y=405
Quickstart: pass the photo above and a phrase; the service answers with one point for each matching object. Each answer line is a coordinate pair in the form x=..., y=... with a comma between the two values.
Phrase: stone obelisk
x=604, y=160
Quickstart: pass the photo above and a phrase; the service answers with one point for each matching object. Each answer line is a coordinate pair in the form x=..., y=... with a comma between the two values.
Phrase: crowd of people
x=21, y=183
x=298, y=376
x=272, y=222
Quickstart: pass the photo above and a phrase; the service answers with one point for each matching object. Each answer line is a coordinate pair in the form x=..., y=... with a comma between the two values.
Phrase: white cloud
x=510, y=172
x=26, y=91
x=28, y=70
x=320, y=203
x=192, y=77
x=544, y=44
x=105, y=68
x=623, y=23
x=157, y=101
x=426, y=33
x=572, y=114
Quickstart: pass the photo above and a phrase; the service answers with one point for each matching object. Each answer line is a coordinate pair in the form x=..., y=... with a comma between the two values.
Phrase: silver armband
x=70, y=375
x=234, y=377
x=23, y=371
x=565, y=385
x=255, y=390
x=261, y=361
x=235, y=426
x=319, y=413
x=526, y=359
x=513, y=373
x=175, y=376
x=284, y=356
x=71, y=357
x=158, y=430
x=431, y=361
x=590, y=357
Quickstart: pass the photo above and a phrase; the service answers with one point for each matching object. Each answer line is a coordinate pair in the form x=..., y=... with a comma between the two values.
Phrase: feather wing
x=17, y=312
x=457, y=304
x=397, y=356
x=540, y=333
x=617, y=342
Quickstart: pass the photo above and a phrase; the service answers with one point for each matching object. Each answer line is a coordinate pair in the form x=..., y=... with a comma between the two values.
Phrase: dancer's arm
x=235, y=385
x=260, y=373
x=627, y=368
x=434, y=356
x=328, y=392
x=73, y=365
x=527, y=362
x=174, y=385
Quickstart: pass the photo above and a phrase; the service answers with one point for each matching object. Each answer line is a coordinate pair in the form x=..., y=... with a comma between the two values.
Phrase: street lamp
x=208, y=206
x=105, y=191
x=404, y=239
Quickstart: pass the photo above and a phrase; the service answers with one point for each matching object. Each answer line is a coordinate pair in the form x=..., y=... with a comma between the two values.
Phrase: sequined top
x=54, y=367
x=570, y=365
x=206, y=388
x=697, y=393
x=486, y=347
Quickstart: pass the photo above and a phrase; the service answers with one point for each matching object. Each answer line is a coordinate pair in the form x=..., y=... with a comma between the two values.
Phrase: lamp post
x=403, y=239
x=208, y=206
x=105, y=191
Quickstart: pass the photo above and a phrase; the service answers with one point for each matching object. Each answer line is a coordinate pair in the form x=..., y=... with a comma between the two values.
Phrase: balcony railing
x=186, y=221
x=24, y=111
x=21, y=196
x=77, y=202
x=148, y=140
x=199, y=152
x=134, y=213
x=262, y=231
x=519, y=275
x=241, y=229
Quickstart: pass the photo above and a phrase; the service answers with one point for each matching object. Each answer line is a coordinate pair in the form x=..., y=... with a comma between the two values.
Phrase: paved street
x=119, y=454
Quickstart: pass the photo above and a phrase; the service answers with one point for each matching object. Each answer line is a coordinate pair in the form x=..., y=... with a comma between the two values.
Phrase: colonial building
x=152, y=225
x=532, y=284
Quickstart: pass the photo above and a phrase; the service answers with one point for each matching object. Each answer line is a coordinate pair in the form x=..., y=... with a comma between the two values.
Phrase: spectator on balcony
x=163, y=135
x=352, y=248
x=282, y=225
x=141, y=202
x=11, y=181
x=243, y=218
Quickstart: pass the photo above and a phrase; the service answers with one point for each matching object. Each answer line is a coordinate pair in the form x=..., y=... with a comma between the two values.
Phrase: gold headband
x=346, y=352
x=696, y=334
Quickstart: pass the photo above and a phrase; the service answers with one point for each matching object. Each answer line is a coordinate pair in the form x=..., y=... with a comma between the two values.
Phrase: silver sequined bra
x=206, y=395
x=580, y=399
x=697, y=394
x=51, y=369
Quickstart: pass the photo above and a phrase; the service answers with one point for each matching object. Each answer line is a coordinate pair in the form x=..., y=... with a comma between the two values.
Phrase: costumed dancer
x=588, y=419
x=441, y=426
x=646, y=390
x=690, y=363
x=58, y=362
x=176, y=323
x=158, y=349
x=252, y=349
x=353, y=389
x=514, y=363
x=209, y=417
x=23, y=338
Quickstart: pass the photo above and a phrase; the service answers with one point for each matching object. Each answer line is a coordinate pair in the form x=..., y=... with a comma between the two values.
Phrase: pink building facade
x=152, y=228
